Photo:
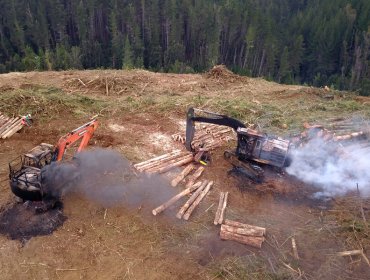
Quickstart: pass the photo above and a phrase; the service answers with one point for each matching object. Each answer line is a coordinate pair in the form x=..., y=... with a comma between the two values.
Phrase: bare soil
x=129, y=243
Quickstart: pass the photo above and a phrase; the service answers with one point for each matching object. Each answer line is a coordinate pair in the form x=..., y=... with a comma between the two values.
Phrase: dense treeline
x=319, y=42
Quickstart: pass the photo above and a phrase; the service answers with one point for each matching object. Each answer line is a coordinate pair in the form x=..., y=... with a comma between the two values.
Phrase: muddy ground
x=139, y=111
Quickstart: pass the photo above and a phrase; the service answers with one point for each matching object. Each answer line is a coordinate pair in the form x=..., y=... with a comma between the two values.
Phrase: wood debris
x=243, y=233
x=295, y=250
x=165, y=162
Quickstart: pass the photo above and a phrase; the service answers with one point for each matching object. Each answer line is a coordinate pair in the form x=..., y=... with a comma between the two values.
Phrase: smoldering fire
x=335, y=168
x=104, y=176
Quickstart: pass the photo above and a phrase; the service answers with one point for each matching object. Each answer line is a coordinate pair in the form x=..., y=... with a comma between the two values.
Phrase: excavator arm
x=84, y=132
x=206, y=117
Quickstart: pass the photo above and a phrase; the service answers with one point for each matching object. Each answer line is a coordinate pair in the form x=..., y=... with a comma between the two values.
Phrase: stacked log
x=207, y=137
x=165, y=162
x=220, y=213
x=243, y=233
x=9, y=126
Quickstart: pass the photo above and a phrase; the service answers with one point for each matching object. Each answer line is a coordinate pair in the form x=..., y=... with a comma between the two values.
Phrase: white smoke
x=336, y=169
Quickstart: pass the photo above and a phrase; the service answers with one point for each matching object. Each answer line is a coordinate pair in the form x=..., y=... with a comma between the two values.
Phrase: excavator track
x=251, y=171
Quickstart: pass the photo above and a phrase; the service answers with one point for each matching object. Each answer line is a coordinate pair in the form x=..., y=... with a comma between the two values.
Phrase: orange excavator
x=26, y=172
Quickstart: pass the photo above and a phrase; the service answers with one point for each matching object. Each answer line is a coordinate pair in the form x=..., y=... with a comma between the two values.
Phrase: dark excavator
x=252, y=147
x=26, y=173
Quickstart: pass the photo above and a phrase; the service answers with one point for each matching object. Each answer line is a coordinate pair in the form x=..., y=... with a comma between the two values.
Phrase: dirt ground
x=122, y=242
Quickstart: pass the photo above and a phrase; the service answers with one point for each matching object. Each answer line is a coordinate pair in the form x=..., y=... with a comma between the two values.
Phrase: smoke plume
x=335, y=168
x=104, y=176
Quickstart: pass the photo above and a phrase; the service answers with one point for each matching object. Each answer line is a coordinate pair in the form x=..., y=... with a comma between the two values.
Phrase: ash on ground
x=21, y=222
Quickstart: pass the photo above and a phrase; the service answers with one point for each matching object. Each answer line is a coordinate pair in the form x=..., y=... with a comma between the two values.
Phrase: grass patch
x=248, y=268
x=46, y=102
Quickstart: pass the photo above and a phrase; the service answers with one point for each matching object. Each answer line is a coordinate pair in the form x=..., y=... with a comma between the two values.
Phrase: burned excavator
x=252, y=147
x=26, y=173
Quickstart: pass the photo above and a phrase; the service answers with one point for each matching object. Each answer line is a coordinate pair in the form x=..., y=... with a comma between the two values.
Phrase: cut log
x=191, y=200
x=141, y=164
x=218, y=212
x=197, y=201
x=241, y=225
x=9, y=128
x=12, y=131
x=7, y=125
x=164, y=162
x=195, y=176
x=160, y=162
x=222, y=213
x=167, y=204
x=185, y=160
x=253, y=241
x=243, y=231
x=182, y=175
x=153, y=161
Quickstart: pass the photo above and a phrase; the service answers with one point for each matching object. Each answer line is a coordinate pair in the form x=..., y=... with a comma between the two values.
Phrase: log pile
x=337, y=130
x=9, y=126
x=166, y=162
x=243, y=233
x=207, y=137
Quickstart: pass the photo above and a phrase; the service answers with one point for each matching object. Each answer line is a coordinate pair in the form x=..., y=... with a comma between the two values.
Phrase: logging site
x=132, y=174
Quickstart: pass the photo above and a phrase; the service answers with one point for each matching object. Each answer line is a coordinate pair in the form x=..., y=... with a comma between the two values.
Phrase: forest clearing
x=139, y=112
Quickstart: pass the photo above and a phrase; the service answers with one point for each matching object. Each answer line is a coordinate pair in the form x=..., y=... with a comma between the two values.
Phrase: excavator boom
x=85, y=132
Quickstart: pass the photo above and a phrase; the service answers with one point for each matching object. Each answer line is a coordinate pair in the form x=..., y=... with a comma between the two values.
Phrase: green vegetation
x=289, y=41
x=47, y=103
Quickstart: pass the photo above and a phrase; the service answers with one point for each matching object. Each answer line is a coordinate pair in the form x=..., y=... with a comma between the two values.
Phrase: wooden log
x=218, y=212
x=295, y=250
x=162, y=162
x=155, y=159
x=253, y=241
x=7, y=124
x=194, y=196
x=10, y=127
x=168, y=203
x=243, y=231
x=11, y=132
x=195, y=176
x=222, y=213
x=197, y=201
x=164, y=168
x=349, y=253
x=159, y=162
x=182, y=175
x=241, y=225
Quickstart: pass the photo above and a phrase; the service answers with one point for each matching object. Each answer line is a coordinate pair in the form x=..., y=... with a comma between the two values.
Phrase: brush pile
x=220, y=72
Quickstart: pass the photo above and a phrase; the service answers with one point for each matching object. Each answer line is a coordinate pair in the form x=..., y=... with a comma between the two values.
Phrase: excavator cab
x=252, y=146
